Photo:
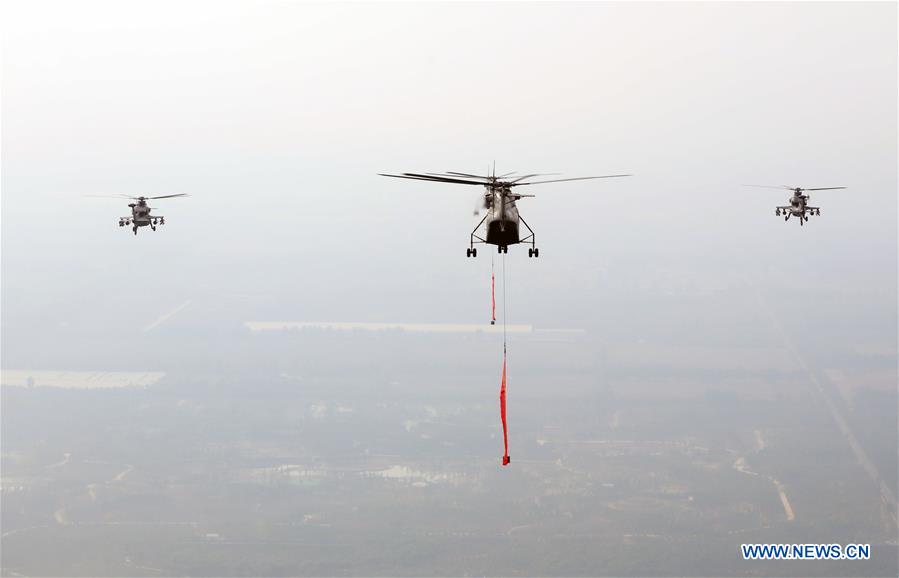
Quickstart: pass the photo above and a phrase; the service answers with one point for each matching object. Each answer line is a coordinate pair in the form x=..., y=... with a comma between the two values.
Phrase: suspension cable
x=502, y=388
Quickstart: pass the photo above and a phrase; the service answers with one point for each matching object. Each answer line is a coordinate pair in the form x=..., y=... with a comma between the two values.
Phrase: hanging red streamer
x=502, y=413
x=492, y=298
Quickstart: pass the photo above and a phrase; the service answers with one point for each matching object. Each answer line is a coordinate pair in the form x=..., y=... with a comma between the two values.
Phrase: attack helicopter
x=798, y=206
x=140, y=211
x=502, y=217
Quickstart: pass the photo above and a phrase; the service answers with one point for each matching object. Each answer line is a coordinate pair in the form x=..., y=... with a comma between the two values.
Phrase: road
x=888, y=497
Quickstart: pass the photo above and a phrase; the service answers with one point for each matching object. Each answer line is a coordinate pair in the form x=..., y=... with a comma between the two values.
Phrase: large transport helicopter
x=798, y=206
x=502, y=218
x=140, y=211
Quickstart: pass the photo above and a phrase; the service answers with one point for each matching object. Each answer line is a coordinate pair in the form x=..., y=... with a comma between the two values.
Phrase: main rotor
x=141, y=198
x=501, y=184
x=795, y=190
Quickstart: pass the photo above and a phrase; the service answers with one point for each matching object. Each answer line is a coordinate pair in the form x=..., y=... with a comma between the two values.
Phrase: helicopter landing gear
x=777, y=212
x=134, y=228
x=502, y=248
x=152, y=227
x=531, y=239
x=471, y=252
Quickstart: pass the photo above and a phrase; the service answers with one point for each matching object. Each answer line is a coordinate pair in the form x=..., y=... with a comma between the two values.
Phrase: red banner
x=502, y=413
x=492, y=298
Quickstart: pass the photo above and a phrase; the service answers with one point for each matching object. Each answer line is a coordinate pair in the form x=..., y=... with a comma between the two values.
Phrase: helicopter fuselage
x=502, y=218
x=798, y=207
x=140, y=214
x=140, y=217
x=502, y=223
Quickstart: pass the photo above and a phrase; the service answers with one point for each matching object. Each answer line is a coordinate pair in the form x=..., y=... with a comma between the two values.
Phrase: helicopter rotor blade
x=136, y=198
x=439, y=179
x=433, y=179
x=532, y=176
x=458, y=176
x=507, y=175
x=825, y=189
x=771, y=187
x=572, y=179
x=493, y=179
x=454, y=173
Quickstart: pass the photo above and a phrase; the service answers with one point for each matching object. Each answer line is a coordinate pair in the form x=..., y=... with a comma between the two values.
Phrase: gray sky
x=276, y=117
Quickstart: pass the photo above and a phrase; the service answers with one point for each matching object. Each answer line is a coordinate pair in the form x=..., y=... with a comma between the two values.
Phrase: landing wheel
x=505, y=248
x=777, y=212
x=530, y=252
x=787, y=217
x=468, y=253
x=153, y=227
x=134, y=228
x=536, y=252
x=474, y=252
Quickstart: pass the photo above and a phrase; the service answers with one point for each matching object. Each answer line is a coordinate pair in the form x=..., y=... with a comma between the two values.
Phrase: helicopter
x=798, y=206
x=502, y=216
x=140, y=211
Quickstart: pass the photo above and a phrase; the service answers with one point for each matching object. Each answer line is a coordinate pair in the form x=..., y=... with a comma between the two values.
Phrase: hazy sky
x=276, y=117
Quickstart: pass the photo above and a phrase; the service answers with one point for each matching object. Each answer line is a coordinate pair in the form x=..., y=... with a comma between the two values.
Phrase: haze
x=234, y=394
